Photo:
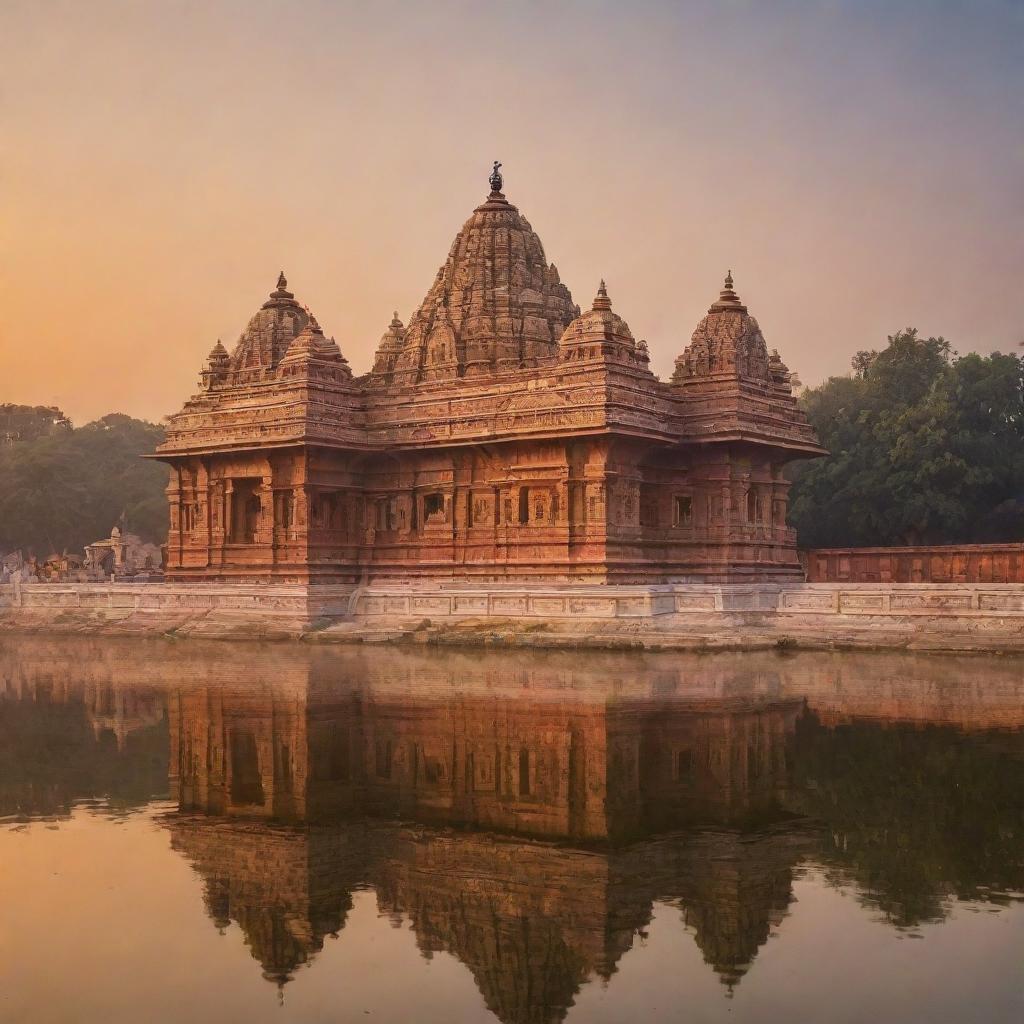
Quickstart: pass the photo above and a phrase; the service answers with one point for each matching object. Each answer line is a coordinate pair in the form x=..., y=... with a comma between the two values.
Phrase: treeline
x=63, y=487
x=926, y=448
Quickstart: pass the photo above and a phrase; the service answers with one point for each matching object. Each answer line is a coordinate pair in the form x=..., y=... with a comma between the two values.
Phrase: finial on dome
x=495, y=180
x=601, y=300
x=727, y=298
x=280, y=296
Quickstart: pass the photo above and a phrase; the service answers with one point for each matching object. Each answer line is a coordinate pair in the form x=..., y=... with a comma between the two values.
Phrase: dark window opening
x=684, y=764
x=683, y=513
x=433, y=508
x=383, y=759
x=524, y=772
x=246, y=784
x=286, y=509
x=524, y=505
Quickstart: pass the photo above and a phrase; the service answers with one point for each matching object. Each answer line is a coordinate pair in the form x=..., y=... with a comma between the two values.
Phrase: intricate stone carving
x=727, y=341
x=502, y=434
x=496, y=304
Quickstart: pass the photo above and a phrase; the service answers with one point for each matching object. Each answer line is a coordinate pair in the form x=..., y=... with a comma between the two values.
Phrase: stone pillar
x=265, y=523
x=229, y=510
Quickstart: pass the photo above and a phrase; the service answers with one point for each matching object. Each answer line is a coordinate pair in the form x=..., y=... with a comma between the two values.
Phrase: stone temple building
x=503, y=434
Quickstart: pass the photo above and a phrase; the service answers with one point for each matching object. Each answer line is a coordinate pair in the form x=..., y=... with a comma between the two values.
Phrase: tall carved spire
x=495, y=304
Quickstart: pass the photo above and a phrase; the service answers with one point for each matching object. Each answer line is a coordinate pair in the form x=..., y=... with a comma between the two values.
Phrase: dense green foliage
x=914, y=815
x=27, y=422
x=925, y=447
x=64, y=488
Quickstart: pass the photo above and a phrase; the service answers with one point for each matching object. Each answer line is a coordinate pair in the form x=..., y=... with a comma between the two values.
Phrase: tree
x=64, y=489
x=27, y=422
x=926, y=448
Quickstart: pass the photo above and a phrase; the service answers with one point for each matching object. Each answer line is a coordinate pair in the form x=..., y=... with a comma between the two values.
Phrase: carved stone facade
x=502, y=434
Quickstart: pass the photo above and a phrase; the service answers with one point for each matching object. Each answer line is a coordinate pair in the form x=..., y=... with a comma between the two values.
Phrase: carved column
x=173, y=492
x=265, y=523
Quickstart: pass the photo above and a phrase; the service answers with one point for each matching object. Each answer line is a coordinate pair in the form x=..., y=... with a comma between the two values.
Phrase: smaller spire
x=282, y=281
x=218, y=353
x=601, y=301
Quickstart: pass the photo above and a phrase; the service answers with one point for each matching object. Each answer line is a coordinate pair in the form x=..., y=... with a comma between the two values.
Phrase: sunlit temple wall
x=502, y=434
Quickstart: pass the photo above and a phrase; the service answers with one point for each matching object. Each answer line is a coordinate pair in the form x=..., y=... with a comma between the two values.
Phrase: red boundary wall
x=954, y=563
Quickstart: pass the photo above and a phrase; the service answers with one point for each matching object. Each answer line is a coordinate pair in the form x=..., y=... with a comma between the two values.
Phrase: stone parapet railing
x=288, y=600
x=954, y=599
x=450, y=600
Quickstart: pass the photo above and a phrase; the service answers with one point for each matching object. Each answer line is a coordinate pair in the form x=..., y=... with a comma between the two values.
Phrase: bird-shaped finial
x=495, y=180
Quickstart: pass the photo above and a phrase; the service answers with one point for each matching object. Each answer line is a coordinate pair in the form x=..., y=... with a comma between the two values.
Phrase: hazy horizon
x=858, y=166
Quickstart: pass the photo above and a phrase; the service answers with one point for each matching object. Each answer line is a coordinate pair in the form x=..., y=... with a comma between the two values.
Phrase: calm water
x=276, y=833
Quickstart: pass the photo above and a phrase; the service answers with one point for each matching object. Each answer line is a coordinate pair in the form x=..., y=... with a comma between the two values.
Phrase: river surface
x=228, y=832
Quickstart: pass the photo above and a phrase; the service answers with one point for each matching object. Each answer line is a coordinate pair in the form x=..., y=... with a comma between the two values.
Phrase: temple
x=501, y=434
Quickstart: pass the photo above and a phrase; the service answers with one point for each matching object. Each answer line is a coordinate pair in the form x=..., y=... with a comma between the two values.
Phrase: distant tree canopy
x=926, y=448
x=63, y=488
x=27, y=422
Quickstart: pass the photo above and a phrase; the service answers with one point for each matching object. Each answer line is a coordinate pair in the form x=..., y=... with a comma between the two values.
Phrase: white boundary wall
x=446, y=600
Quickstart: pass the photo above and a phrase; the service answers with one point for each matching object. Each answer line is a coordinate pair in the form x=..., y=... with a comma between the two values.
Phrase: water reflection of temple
x=564, y=769
x=526, y=813
x=603, y=786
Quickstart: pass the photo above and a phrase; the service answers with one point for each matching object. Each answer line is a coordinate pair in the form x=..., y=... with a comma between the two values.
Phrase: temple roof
x=601, y=332
x=727, y=340
x=271, y=330
x=495, y=304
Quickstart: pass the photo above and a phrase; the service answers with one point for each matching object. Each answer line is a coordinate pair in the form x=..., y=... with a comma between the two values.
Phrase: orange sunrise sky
x=859, y=165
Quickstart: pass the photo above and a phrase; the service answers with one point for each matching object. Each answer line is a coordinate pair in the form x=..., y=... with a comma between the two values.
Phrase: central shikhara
x=502, y=435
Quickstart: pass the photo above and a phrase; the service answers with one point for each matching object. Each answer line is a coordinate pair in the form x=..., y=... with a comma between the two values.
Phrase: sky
x=859, y=166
